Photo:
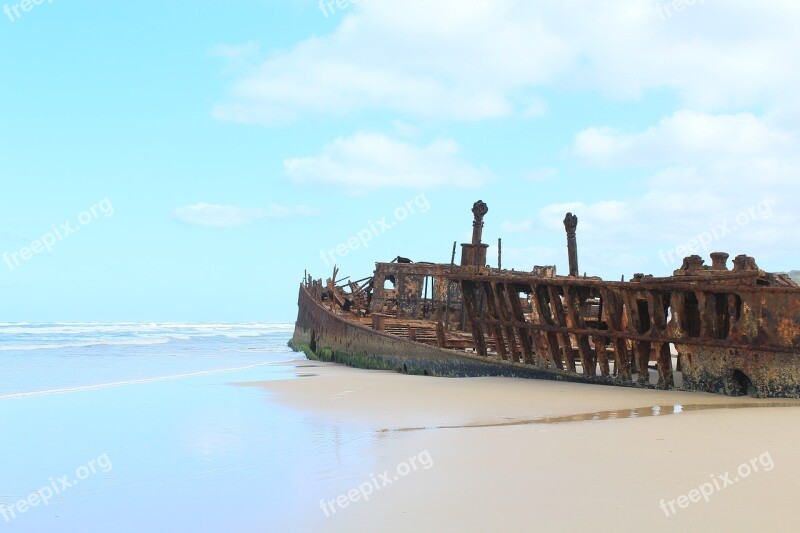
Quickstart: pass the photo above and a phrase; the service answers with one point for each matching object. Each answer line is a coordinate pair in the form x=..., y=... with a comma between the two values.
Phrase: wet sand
x=504, y=454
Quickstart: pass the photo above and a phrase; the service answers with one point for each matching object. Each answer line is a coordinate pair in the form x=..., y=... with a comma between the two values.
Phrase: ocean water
x=142, y=427
x=38, y=358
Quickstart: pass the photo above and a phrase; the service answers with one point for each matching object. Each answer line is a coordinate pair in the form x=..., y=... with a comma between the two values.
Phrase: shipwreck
x=708, y=328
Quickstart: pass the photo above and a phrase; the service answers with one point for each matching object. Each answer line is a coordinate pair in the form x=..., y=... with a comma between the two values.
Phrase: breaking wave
x=50, y=336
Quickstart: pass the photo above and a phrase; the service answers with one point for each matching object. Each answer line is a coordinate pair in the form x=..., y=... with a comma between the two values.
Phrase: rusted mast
x=474, y=254
x=571, y=224
x=479, y=210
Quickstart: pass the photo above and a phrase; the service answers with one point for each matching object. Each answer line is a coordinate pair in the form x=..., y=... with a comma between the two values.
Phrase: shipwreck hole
x=313, y=343
x=543, y=298
x=723, y=317
x=742, y=385
x=427, y=287
x=692, y=314
x=666, y=310
x=644, y=316
x=525, y=304
x=737, y=304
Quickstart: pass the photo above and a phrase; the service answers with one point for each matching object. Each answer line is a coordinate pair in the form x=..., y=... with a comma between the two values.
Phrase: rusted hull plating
x=719, y=330
x=338, y=337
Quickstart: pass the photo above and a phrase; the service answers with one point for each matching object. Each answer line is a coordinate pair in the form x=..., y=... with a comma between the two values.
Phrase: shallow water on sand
x=616, y=414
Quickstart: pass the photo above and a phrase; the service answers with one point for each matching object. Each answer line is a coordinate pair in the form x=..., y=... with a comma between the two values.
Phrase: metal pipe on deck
x=499, y=254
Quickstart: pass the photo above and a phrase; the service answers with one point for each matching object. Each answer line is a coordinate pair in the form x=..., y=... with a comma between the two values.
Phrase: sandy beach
x=483, y=454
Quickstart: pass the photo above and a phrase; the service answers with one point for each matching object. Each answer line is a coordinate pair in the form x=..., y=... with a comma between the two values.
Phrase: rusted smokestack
x=571, y=224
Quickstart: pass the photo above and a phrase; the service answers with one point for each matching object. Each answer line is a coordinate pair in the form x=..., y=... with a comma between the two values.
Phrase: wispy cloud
x=684, y=137
x=476, y=65
x=228, y=216
x=369, y=161
x=461, y=70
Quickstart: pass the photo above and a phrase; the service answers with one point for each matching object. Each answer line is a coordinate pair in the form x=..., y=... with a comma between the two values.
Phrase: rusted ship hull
x=706, y=328
x=323, y=334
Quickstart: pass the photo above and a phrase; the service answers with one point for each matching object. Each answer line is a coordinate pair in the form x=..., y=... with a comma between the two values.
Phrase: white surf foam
x=84, y=388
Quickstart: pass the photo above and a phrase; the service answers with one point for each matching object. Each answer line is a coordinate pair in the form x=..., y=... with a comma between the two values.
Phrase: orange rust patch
x=789, y=330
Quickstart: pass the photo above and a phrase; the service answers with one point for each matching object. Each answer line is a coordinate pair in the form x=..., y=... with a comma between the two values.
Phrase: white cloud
x=476, y=60
x=643, y=233
x=228, y=216
x=598, y=215
x=404, y=129
x=684, y=137
x=706, y=172
x=367, y=161
x=422, y=58
x=730, y=66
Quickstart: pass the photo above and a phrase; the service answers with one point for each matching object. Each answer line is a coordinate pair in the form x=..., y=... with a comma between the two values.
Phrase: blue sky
x=226, y=148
